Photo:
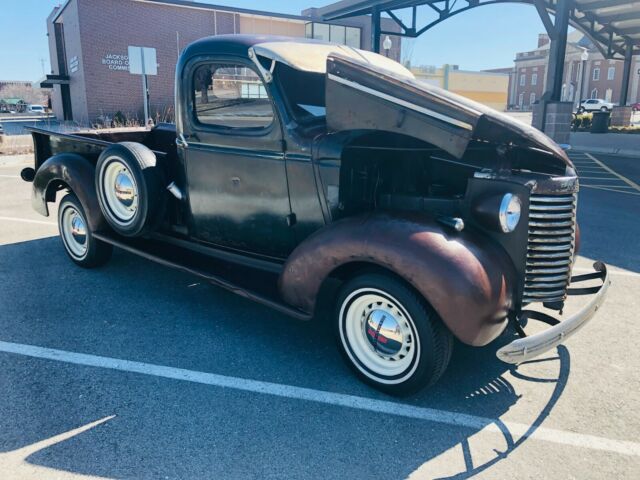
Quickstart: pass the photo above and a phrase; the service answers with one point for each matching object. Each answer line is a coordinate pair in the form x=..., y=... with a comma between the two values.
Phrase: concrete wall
x=72, y=35
x=490, y=89
x=271, y=26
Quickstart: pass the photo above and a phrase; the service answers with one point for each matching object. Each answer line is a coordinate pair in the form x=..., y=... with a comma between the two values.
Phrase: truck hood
x=359, y=97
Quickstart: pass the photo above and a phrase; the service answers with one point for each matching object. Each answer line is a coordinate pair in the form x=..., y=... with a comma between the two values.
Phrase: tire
x=604, y=109
x=418, y=355
x=78, y=241
x=581, y=110
x=130, y=189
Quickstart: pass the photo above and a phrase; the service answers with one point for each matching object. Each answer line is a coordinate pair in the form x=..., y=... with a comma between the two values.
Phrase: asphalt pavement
x=137, y=371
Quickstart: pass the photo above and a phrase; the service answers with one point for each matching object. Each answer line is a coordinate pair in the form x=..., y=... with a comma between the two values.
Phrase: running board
x=220, y=273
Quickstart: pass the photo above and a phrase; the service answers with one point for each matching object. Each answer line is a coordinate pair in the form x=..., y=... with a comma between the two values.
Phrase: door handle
x=181, y=141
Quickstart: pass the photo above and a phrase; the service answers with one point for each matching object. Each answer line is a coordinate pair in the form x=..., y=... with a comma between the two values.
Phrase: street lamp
x=387, y=44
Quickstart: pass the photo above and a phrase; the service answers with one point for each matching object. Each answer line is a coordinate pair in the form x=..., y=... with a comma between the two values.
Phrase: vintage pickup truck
x=300, y=173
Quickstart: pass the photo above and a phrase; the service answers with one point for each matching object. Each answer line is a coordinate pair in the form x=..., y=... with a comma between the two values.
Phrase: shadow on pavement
x=136, y=310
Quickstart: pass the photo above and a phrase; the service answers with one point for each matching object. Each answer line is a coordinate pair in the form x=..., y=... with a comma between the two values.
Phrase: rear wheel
x=78, y=241
x=389, y=336
x=604, y=109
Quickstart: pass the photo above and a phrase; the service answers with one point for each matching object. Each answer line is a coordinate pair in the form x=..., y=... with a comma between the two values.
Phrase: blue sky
x=486, y=37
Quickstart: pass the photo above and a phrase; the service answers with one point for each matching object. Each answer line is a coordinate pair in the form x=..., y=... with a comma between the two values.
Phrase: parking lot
x=137, y=371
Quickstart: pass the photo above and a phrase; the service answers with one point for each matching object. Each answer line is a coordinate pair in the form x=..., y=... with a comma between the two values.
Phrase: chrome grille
x=550, y=247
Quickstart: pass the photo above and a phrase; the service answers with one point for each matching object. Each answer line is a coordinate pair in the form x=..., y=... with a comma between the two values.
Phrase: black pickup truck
x=300, y=173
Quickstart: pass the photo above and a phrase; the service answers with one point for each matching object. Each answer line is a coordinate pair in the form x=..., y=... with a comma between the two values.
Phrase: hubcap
x=379, y=336
x=124, y=189
x=384, y=333
x=74, y=232
x=120, y=191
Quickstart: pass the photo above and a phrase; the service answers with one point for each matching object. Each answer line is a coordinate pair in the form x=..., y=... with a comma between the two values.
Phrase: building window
x=596, y=74
x=532, y=99
x=353, y=37
x=321, y=31
x=534, y=79
x=338, y=34
x=523, y=80
x=611, y=73
x=594, y=93
x=224, y=93
x=350, y=36
x=521, y=100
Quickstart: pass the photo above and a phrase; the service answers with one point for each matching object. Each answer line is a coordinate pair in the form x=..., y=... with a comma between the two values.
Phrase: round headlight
x=509, y=214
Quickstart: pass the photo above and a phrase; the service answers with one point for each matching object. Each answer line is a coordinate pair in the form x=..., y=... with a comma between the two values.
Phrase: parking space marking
x=445, y=417
x=613, y=172
x=596, y=175
x=26, y=220
x=9, y=176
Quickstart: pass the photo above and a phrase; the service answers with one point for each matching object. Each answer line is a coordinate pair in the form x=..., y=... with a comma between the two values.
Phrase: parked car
x=36, y=109
x=304, y=175
x=594, y=105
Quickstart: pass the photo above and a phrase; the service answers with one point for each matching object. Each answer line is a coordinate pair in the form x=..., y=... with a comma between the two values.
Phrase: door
x=235, y=162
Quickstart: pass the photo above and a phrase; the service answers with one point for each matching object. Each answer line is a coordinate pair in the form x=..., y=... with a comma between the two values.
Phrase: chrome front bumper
x=526, y=348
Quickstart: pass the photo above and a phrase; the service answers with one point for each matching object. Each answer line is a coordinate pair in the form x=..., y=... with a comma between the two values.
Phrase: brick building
x=89, y=39
x=587, y=74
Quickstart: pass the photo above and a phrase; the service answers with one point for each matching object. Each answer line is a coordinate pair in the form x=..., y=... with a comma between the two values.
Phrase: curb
x=624, y=152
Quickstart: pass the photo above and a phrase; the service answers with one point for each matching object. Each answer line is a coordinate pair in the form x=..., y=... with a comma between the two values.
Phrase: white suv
x=594, y=105
x=36, y=109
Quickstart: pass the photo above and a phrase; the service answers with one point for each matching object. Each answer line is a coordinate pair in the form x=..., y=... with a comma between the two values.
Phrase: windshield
x=303, y=91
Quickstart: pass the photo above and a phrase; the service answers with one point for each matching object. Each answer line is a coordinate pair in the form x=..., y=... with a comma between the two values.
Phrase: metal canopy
x=612, y=25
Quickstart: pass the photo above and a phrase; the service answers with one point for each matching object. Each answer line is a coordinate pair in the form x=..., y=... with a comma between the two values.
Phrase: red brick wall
x=110, y=27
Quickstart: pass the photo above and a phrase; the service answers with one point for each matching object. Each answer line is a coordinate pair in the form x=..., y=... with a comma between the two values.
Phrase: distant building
x=14, y=83
x=12, y=105
x=488, y=88
x=587, y=74
x=89, y=39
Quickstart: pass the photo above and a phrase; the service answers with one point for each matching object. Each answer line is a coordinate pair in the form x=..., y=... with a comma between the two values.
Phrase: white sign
x=116, y=62
x=142, y=61
x=73, y=65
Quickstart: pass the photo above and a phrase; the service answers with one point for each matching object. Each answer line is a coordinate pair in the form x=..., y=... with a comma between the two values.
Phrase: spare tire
x=130, y=184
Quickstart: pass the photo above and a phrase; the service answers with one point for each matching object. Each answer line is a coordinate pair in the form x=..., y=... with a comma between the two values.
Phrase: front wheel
x=78, y=241
x=389, y=336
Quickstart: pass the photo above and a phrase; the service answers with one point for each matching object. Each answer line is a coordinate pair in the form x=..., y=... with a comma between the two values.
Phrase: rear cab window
x=230, y=96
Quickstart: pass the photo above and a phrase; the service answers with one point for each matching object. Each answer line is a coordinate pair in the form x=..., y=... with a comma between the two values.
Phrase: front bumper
x=526, y=348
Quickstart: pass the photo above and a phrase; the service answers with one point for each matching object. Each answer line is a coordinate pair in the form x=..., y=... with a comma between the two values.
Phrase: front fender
x=75, y=172
x=465, y=277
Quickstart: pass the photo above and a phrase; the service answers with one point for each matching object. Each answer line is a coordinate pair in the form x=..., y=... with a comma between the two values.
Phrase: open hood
x=359, y=97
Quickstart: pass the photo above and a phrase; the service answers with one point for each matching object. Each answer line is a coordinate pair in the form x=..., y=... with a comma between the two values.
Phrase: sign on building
x=142, y=61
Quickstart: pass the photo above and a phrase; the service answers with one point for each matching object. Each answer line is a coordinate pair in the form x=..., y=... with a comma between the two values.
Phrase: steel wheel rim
x=74, y=232
x=120, y=191
x=355, y=331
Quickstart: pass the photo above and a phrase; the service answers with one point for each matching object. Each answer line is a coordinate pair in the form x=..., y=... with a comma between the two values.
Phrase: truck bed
x=90, y=143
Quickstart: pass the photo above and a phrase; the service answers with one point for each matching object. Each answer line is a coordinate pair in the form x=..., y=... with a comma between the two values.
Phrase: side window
x=230, y=96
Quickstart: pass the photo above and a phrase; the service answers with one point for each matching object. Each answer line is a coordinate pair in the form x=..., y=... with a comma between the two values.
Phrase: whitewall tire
x=389, y=336
x=77, y=238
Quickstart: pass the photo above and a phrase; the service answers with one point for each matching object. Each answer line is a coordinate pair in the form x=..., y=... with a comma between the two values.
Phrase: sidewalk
x=626, y=144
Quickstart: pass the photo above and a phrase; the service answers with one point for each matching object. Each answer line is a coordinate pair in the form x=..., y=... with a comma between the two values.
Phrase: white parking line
x=613, y=172
x=330, y=398
x=9, y=176
x=26, y=220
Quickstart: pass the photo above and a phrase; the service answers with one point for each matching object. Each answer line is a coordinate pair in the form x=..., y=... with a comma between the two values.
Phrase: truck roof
x=302, y=54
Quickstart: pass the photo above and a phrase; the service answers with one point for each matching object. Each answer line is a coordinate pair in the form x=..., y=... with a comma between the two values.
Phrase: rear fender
x=72, y=171
x=465, y=277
